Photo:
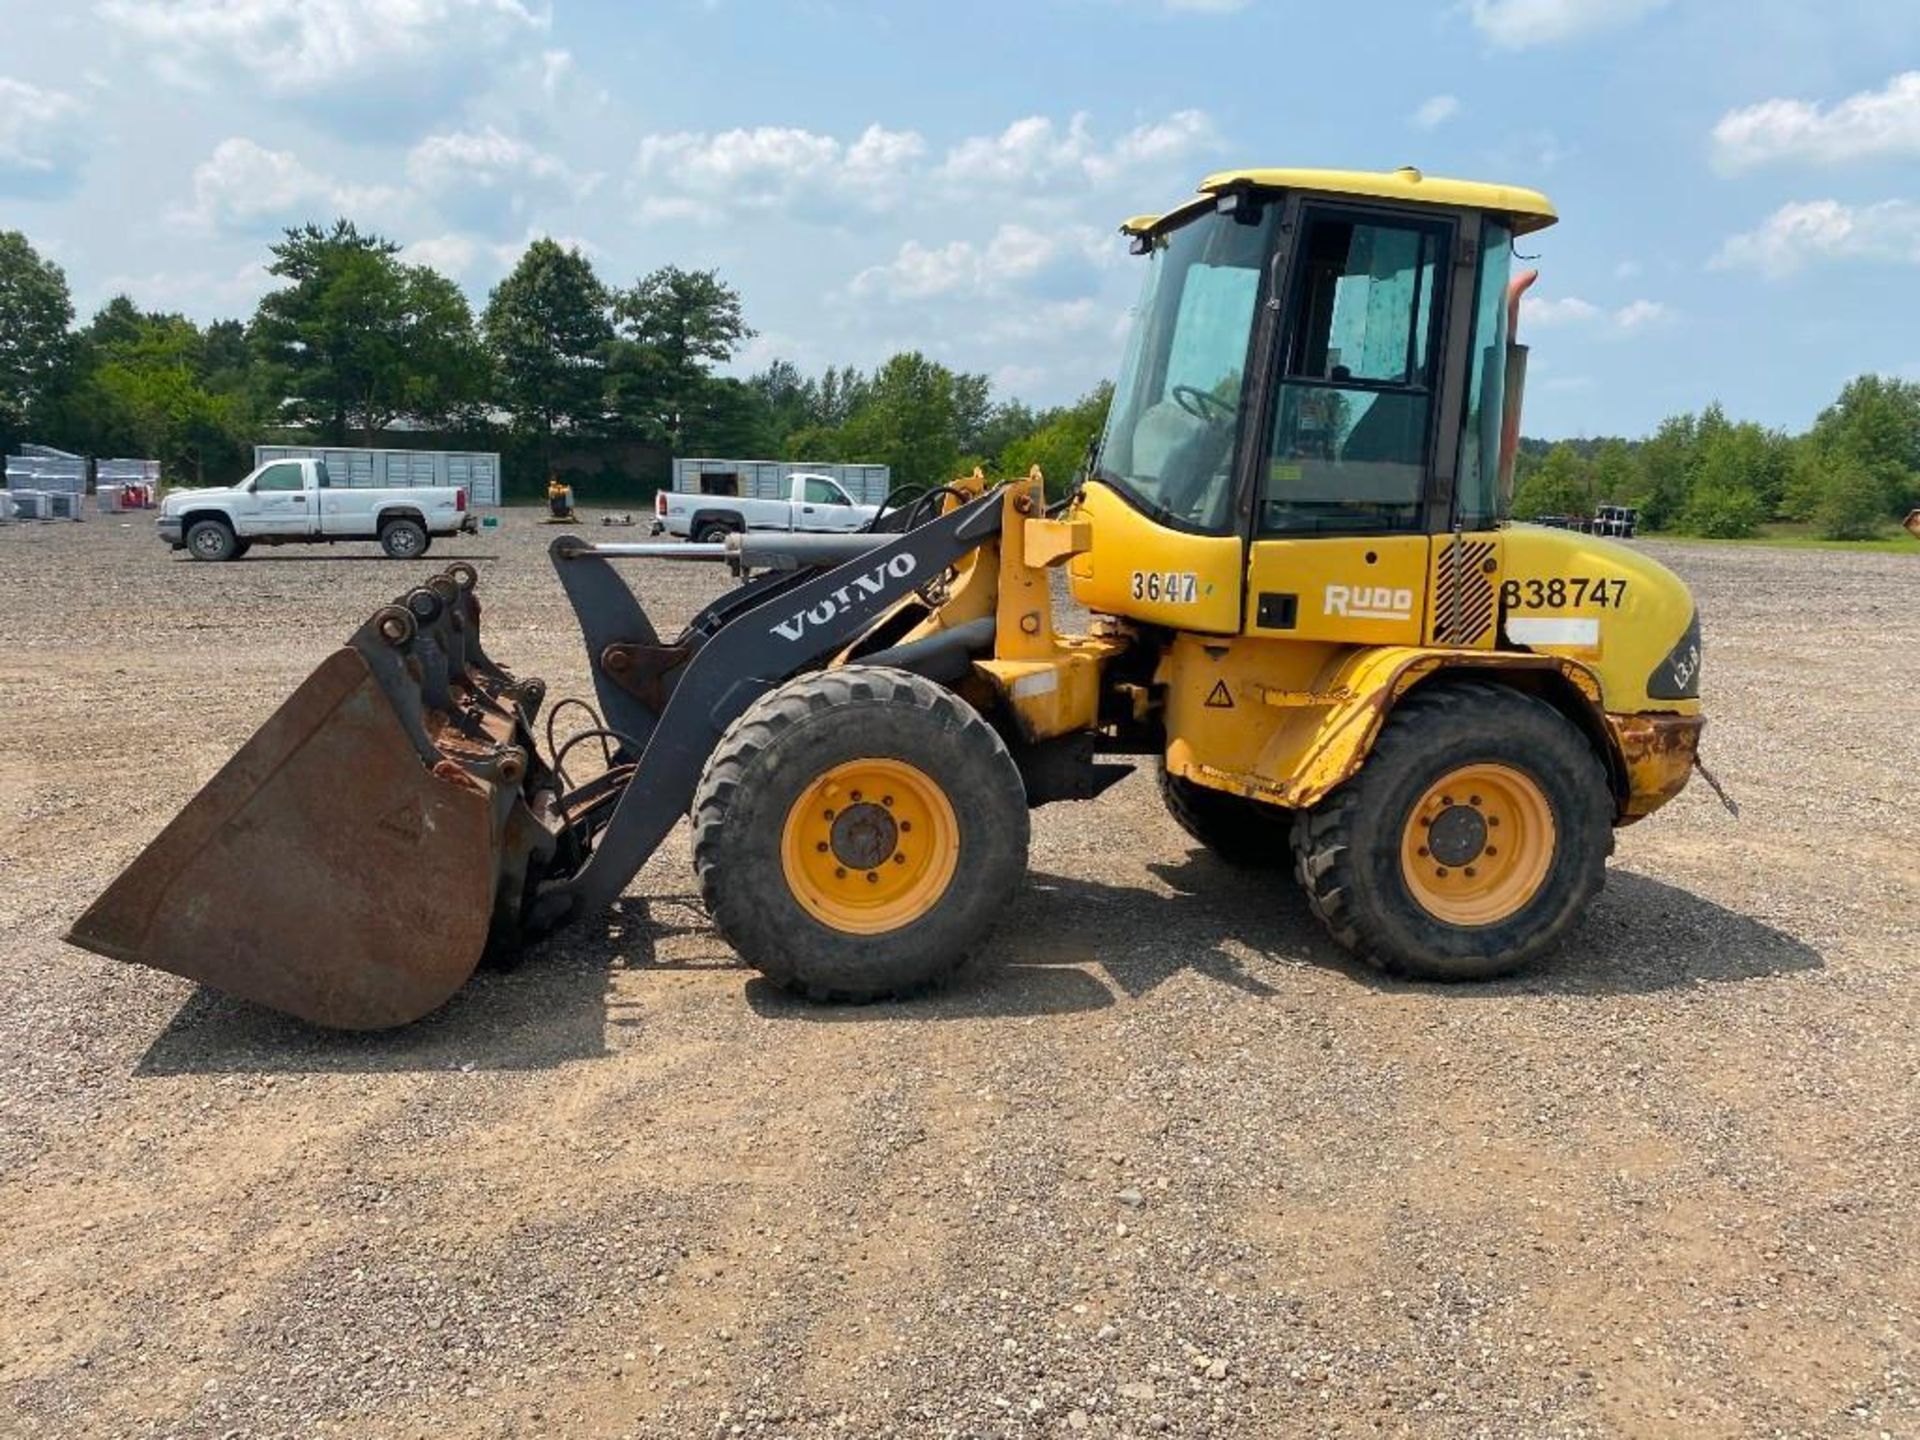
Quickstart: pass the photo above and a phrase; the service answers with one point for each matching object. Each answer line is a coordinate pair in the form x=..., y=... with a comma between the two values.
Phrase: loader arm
x=742, y=646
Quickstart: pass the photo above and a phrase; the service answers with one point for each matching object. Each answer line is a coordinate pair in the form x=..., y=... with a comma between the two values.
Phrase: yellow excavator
x=1308, y=612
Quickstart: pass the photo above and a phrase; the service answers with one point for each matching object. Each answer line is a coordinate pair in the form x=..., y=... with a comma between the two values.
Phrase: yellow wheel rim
x=870, y=846
x=1478, y=845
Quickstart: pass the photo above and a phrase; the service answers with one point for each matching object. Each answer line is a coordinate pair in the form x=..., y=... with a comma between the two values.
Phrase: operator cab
x=1320, y=353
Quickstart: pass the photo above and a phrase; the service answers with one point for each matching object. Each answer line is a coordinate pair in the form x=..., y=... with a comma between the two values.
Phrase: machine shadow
x=1069, y=946
x=549, y=1007
x=1245, y=929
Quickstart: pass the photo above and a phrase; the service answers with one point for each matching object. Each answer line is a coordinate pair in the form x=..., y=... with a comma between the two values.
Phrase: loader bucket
x=345, y=866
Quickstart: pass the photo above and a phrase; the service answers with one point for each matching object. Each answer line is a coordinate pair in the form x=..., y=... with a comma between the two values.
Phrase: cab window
x=1354, y=409
x=282, y=477
x=824, y=492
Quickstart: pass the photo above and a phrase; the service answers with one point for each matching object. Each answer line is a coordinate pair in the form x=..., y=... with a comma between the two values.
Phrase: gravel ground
x=1165, y=1163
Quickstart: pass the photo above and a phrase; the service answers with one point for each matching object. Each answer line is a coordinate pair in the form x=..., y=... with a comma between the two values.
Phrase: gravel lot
x=1165, y=1163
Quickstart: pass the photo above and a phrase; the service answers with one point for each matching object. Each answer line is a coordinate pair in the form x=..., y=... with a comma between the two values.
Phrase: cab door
x=282, y=504
x=1340, y=547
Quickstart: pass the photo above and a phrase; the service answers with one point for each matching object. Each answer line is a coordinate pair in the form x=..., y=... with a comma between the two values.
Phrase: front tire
x=1472, y=839
x=857, y=834
x=211, y=540
x=403, y=539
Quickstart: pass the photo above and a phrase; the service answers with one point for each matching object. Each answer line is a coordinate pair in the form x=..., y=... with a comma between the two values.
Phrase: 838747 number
x=1573, y=593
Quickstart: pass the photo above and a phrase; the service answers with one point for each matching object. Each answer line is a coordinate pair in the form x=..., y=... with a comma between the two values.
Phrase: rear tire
x=830, y=894
x=1472, y=839
x=404, y=539
x=713, y=534
x=1240, y=831
x=211, y=540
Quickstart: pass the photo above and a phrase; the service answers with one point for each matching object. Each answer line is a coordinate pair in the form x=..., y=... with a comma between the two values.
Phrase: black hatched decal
x=1464, y=597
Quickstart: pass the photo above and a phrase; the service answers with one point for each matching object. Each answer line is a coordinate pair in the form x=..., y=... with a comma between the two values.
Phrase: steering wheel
x=1204, y=405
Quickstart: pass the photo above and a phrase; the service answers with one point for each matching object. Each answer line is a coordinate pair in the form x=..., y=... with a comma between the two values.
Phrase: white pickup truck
x=814, y=502
x=292, y=502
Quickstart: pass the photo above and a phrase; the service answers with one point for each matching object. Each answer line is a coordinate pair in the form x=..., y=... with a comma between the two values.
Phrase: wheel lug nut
x=1493, y=820
x=1473, y=799
x=887, y=800
x=872, y=875
x=1423, y=852
x=856, y=795
x=1446, y=799
x=1441, y=872
x=1492, y=851
x=899, y=859
x=823, y=847
x=829, y=814
x=906, y=825
x=1470, y=872
x=839, y=873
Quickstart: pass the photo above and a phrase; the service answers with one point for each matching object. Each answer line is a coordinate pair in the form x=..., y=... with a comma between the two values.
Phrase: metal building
x=361, y=469
x=767, y=479
x=42, y=468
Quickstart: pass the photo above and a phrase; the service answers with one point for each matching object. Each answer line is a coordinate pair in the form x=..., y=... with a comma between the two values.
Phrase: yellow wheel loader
x=1307, y=610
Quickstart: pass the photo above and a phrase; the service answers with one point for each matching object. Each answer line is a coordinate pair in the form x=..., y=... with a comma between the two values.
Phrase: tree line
x=353, y=339
x=1852, y=474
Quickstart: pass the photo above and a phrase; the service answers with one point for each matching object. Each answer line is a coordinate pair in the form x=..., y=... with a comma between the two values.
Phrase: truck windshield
x=1169, y=439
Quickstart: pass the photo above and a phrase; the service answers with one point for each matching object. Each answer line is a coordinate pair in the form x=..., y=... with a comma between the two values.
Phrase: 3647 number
x=1176, y=587
x=1563, y=594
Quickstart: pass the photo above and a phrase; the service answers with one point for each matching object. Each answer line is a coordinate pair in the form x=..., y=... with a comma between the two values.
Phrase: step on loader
x=1308, y=611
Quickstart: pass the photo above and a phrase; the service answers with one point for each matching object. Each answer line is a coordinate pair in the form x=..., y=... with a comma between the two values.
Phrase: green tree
x=35, y=311
x=358, y=339
x=910, y=421
x=1726, y=499
x=1562, y=485
x=1851, y=503
x=1058, y=441
x=547, y=330
x=1667, y=463
x=153, y=381
x=674, y=326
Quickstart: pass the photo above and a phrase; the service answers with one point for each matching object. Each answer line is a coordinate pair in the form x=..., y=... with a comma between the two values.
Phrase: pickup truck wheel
x=403, y=539
x=713, y=534
x=211, y=540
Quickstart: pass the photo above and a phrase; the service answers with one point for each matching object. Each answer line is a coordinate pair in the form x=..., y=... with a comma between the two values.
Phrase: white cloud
x=1874, y=124
x=1801, y=233
x=245, y=186
x=200, y=294
x=492, y=180
x=1545, y=312
x=1434, y=113
x=1060, y=267
x=1521, y=24
x=40, y=135
x=1034, y=152
x=353, y=63
x=694, y=175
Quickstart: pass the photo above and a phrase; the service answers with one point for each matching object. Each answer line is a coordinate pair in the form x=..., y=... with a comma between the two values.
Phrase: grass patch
x=1791, y=535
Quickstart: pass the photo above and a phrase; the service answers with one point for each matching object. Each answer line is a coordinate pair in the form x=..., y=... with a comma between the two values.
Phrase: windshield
x=1169, y=437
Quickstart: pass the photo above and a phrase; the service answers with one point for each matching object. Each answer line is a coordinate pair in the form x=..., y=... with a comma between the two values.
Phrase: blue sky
x=1737, y=178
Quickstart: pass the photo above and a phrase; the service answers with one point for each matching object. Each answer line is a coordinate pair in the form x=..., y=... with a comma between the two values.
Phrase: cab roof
x=1525, y=210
